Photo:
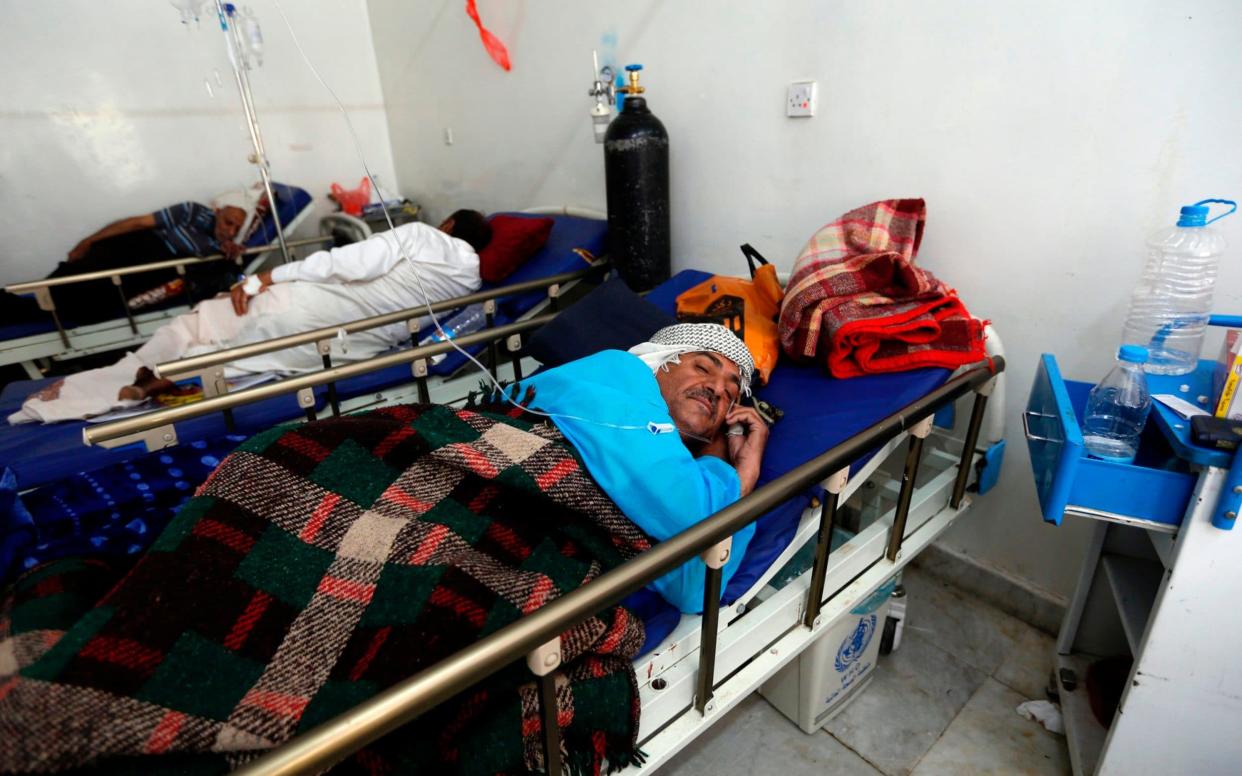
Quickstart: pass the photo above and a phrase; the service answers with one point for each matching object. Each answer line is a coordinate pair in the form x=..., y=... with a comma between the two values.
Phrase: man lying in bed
x=323, y=562
x=177, y=231
x=327, y=288
x=658, y=447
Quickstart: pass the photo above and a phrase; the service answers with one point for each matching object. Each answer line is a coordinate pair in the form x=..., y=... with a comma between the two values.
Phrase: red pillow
x=514, y=240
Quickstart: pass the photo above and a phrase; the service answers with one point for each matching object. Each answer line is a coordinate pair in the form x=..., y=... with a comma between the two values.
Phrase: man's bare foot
x=145, y=384
x=49, y=393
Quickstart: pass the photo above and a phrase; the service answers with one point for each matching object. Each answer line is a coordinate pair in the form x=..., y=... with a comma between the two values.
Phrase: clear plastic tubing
x=1173, y=299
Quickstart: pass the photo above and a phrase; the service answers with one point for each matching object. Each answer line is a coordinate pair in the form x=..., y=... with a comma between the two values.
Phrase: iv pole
x=237, y=58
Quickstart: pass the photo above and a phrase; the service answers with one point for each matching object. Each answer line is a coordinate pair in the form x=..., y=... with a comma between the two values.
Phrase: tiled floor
x=942, y=704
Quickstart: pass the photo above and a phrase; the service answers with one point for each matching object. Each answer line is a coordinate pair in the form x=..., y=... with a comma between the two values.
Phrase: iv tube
x=500, y=389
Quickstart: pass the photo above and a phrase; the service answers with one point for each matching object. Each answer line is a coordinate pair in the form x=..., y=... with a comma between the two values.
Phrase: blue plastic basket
x=1156, y=487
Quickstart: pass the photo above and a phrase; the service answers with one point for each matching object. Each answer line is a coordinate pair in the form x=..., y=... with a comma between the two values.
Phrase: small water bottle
x=465, y=321
x=252, y=37
x=1173, y=299
x=1117, y=409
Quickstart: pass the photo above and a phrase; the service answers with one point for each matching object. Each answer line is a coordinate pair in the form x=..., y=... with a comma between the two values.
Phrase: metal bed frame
x=132, y=329
x=157, y=428
x=710, y=662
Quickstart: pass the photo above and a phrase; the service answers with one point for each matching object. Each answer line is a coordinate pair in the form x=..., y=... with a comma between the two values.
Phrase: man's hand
x=231, y=250
x=241, y=300
x=80, y=250
x=746, y=449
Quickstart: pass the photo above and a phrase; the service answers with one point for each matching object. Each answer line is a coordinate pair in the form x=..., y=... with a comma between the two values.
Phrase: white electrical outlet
x=801, y=99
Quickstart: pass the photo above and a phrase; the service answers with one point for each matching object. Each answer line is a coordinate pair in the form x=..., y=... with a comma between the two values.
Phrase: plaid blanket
x=319, y=564
x=857, y=301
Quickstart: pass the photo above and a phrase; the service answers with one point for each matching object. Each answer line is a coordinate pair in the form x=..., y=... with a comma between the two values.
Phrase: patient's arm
x=123, y=226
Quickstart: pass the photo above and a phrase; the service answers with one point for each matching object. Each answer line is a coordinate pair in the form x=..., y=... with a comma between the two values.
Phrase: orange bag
x=748, y=307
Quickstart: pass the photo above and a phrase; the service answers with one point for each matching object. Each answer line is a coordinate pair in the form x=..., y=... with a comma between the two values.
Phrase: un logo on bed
x=856, y=644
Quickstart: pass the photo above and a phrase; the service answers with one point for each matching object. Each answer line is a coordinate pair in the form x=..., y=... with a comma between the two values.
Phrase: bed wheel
x=890, y=632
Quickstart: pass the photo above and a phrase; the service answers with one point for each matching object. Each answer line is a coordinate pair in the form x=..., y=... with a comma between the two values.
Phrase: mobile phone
x=1218, y=433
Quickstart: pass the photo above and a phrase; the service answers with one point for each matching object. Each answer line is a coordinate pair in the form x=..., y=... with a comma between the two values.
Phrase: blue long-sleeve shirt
x=653, y=478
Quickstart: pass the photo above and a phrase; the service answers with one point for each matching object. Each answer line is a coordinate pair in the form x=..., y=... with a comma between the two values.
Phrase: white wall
x=104, y=113
x=1048, y=139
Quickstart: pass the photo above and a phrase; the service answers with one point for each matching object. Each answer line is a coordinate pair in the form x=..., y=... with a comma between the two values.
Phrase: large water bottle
x=466, y=321
x=1171, y=304
x=1117, y=409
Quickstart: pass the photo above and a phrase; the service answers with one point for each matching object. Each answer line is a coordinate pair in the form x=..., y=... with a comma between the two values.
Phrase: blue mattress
x=820, y=413
x=290, y=201
x=39, y=454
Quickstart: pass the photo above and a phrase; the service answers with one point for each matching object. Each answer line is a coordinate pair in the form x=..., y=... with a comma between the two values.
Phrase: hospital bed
x=39, y=454
x=835, y=436
x=60, y=338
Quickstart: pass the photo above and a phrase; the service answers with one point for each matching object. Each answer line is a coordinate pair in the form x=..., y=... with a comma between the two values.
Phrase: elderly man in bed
x=650, y=426
x=327, y=288
x=177, y=231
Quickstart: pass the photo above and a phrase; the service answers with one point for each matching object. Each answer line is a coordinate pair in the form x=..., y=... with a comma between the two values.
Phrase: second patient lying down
x=327, y=288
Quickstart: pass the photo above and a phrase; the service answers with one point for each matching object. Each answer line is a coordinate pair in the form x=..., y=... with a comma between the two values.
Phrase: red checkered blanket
x=857, y=301
x=320, y=564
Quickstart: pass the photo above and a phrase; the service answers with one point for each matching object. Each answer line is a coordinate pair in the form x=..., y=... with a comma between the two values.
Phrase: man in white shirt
x=327, y=288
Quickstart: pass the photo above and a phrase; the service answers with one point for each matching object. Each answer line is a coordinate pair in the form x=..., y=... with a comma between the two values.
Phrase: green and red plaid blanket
x=319, y=564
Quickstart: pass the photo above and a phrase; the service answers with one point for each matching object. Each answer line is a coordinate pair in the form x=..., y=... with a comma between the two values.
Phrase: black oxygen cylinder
x=636, y=175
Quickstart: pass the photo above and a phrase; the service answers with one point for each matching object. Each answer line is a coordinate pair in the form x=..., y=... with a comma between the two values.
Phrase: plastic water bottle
x=466, y=321
x=1117, y=409
x=1170, y=306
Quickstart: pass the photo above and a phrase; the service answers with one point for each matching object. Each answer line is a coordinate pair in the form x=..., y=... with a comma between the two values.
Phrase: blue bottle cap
x=636, y=68
x=1193, y=215
x=1135, y=354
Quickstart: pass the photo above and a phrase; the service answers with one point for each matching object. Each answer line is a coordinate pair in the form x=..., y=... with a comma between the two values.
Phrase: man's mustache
x=706, y=393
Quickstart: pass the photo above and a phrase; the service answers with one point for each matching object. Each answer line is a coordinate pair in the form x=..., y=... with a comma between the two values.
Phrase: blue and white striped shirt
x=188, y=229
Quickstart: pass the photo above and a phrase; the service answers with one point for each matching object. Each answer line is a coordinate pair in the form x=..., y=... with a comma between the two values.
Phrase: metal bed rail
x=156, y=428
x=536, y=637
x=137, y=269
x=42, y=289
x=208, y=367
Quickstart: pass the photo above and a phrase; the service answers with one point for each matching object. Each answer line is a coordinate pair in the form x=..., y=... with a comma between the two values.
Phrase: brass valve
x=634, y=87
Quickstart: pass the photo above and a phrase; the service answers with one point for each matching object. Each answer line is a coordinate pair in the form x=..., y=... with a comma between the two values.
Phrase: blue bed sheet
x=114, y=510
x=290, y=201
x=40, y=453
x=820, y=412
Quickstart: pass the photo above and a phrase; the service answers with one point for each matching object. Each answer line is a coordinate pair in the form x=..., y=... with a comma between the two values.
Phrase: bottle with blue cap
x=1173, y=299
x=1117, y=408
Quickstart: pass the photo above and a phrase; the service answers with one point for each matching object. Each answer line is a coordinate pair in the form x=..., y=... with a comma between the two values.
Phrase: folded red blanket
x=857, y=301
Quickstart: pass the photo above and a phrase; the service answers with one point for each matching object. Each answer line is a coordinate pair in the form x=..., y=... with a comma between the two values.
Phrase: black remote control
x=1217, y=433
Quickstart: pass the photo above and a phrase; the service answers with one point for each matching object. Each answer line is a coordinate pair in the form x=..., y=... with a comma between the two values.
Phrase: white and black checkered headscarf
x=668, y=344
